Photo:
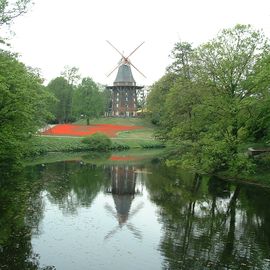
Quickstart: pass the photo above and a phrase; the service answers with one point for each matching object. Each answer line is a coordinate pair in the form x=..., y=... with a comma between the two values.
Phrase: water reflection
x=123, y=189
x=150, y=216
x=208, y=223
x=71, y=185
x=21, y=210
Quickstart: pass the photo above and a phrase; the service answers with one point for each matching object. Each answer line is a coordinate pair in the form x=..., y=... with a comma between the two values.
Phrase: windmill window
x=116, y=105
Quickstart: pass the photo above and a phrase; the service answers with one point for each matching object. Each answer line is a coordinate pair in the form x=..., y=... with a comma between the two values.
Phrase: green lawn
x=96, y=158
x=118, y=121
x=133, y=138
x=139, y=138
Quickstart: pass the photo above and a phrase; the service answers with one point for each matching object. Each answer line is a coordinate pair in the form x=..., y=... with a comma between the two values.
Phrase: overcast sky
x=55, y=33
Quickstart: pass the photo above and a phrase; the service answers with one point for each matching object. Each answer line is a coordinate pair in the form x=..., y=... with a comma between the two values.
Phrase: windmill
x=122, y=218
x=123, y=190
x=124, y=89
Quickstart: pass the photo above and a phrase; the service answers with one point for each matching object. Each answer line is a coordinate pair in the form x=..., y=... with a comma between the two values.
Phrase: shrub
x=98, y=141
x=152, y=145
x=120, y=146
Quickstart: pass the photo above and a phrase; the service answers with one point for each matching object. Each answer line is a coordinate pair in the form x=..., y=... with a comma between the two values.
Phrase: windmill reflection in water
x=123, y=189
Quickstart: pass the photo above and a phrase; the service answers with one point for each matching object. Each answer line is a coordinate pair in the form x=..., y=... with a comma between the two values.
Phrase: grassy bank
x=134, y=156
x=118, y=121
x=138, y=138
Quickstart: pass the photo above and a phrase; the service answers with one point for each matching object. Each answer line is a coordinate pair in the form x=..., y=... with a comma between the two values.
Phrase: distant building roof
x=124, y=76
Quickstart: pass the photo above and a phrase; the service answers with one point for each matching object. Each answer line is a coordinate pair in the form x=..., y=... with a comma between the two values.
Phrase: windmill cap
x=124, y=76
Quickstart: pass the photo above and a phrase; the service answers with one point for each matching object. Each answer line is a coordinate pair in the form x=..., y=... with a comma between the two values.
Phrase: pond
x=129, y=211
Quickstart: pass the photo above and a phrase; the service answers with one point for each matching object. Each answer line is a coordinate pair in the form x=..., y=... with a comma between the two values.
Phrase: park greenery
x=87, y=100
x=212, y=103
x=213, y=99
x=98, y=142
x=26, y=104
x=23, y=107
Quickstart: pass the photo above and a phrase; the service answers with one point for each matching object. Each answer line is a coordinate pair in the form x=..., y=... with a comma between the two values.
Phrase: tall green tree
x=182, y=60
x=23, y=107
x=88, y=100
x=63, y=91
x=222, y=103
x=157, y=96
x=257, y=126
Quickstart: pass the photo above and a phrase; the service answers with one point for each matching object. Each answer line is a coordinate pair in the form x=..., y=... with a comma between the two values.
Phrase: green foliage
x=98, y=141
x=263, y=160
x=120, y=146
x=63, y=91
x=88, y=101
x=181, y=55
x=48, y=144
x=157, y=97
x=153, y=144
x=215, y=98
x=23, y=107
x=9, y=10
x=41, y=145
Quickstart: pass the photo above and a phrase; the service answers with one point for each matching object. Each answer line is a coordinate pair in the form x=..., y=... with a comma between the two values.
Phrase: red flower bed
x=79, y=130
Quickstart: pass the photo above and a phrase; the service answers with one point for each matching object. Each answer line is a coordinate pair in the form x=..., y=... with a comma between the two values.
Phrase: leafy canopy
x=23, y=106
x=214, y=98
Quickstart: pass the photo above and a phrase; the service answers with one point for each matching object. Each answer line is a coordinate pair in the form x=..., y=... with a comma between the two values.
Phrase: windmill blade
x=114, y=69
x=110, y=210
x=136, y=210
x=136, y=49
x=111, y=233
x=136, y=232
x=137, y=70
x=116, y=49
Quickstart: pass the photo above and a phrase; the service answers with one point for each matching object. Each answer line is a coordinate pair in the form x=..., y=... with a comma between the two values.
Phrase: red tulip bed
x=80, y=130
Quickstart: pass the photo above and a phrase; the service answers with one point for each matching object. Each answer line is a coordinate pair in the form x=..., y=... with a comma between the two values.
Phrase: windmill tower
x=123, y=189
x=124, y=88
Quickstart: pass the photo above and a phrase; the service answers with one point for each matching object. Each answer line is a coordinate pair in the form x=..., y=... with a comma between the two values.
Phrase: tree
x=63, y=92
x=257, y=126
x=23, y=107
x=182, y=60
x=224, y=65
x=106, y=96
x=223, y=100
x=9, y=10
x=71, y=74
x=88, y=100
x=157, y=96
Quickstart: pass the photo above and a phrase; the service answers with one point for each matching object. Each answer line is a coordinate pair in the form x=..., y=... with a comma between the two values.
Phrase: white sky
x=56, y=33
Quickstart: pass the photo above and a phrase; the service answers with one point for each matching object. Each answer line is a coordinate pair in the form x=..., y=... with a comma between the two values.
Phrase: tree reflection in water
x=21, y=210
x=71, y=185
x=123, y=190
x=209, y=223
x=206, y=223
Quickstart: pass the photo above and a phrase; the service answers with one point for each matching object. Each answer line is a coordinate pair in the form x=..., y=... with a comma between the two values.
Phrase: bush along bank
x=42, y=145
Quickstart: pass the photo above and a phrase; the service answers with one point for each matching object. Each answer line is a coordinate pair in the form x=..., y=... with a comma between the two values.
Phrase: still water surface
x=130, y=214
